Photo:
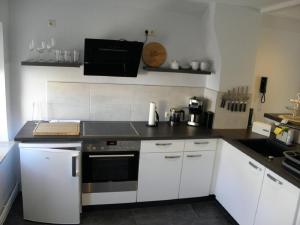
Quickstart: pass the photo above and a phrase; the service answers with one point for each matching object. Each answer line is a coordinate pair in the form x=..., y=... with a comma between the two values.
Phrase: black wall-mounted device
x=117, y=58
x=263, y=85
x=263, y=89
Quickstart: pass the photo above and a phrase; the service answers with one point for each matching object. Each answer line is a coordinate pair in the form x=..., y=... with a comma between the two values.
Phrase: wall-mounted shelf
x=168, y=70
x=275, y=117
x=55, y=64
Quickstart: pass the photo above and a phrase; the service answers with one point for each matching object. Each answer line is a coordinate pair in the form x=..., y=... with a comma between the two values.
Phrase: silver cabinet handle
x=75, y=171
x=163, y=144
x=172, y=156
x=194, y=156
x=74, y=159
x=201, y=143
x=111, y=156
x=254, y=166
x=274, y=179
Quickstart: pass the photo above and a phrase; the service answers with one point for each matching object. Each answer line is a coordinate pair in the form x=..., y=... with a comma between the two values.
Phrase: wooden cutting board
x=57, y=129
x=154, y=54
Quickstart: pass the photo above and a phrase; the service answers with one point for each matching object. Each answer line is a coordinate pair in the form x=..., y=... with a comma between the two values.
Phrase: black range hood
x=112, y=57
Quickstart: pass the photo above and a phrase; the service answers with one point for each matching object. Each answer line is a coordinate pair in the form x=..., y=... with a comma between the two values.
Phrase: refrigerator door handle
x=74, y=159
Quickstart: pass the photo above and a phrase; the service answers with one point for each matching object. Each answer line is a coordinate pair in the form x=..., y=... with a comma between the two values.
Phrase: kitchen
x=242, y=43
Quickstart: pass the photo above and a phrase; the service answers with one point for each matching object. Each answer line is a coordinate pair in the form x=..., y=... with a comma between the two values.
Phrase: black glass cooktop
x=109, y=129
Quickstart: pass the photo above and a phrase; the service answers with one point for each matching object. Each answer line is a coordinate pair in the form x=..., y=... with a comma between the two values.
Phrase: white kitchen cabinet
x=298, y=216
x=50, y=177
x=196, y=174
x=159, y=176
x=278, y=201
x=238, y=184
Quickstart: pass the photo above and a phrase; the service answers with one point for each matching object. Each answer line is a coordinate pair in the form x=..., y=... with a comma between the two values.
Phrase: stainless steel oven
x=110, y=166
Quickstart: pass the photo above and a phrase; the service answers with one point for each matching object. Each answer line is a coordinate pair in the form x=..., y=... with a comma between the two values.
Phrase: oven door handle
x=112, y=156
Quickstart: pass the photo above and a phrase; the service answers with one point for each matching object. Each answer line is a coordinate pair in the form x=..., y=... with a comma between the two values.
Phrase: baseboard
x=148, y=204
x=9, y=204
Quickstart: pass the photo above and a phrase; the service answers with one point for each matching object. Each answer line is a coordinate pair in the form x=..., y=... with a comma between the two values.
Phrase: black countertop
x=181, y=131
x=163, y=131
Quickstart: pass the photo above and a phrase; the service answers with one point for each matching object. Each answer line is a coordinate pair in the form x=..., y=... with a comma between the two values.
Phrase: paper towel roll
x=151, y=120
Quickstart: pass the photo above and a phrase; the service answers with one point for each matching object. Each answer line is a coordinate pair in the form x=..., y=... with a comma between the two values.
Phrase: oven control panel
x=111, y=145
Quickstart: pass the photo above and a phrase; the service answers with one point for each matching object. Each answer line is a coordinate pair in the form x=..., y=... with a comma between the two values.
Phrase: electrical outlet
x=51, y=23
x=151, y=33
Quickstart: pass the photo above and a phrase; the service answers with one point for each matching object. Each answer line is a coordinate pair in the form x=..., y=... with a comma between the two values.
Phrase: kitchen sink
x=266, y=147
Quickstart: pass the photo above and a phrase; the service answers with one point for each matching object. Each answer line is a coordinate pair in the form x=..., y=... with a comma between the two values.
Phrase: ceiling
x=197, y=7
x=258, y=4
x=292, y=12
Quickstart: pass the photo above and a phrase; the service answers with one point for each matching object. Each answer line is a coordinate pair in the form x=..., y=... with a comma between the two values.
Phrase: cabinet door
x=278, y=201
x=196, y=174
x=298, y=217
x=238, y=184
x=159, y=176
x=50, y=185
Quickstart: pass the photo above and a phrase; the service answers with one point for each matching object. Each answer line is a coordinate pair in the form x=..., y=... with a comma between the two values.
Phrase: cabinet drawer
x=162, y=146
x=200, y=144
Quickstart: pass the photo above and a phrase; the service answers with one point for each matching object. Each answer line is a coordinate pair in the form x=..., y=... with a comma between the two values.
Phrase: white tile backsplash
x=111, y=94
x=118, y=102
x=111, y=112
x=139, y=112
x=111, y=102
x=68, y=101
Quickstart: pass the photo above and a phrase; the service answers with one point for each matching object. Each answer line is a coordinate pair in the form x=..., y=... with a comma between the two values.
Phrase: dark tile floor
x=203, y=212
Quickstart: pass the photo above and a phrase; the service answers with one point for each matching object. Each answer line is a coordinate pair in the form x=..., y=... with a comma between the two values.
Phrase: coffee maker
x=196, y=109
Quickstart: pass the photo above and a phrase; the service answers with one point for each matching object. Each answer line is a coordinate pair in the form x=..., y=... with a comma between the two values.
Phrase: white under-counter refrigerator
x=50, y=175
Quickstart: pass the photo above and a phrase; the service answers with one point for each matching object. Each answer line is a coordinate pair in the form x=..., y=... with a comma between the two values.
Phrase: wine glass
x=52, y=42
x=50, y=46
x=41, y=50
x=31, y=50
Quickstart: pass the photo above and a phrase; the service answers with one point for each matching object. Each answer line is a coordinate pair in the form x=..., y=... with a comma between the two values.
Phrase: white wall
x=237, y=31
x=77, y=19
x=4, y=18
x=4, y=70
x=213, y=50
x=3, y=115
x=278, y=58
x=9, y=175
x=176, y=26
